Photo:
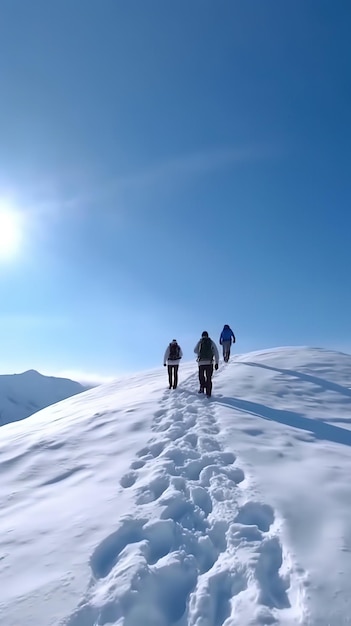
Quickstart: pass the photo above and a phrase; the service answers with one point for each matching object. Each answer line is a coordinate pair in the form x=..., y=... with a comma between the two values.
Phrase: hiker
x=172, y=358
x=206, y=350
x=226, y=339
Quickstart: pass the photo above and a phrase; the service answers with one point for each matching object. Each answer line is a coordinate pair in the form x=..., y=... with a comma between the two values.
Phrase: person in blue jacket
x=226, y=339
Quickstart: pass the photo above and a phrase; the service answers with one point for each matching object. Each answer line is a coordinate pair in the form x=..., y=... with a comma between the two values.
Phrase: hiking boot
x=200, y=390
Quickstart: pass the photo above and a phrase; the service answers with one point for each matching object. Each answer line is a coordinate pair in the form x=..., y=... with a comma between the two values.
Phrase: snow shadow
x=321, y=430
x=315, y=380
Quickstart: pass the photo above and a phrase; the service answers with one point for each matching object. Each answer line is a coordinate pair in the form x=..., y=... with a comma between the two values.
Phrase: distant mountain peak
x=25, y=393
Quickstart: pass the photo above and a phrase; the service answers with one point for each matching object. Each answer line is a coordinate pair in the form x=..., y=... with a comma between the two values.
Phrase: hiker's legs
x=226, y=350
x=175, y=376
x=208, y=385
x=169, y=368
x=202, y=379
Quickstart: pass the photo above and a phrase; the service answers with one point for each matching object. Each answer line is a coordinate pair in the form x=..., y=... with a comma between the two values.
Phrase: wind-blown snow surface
x=133, y=505
x=21, y=395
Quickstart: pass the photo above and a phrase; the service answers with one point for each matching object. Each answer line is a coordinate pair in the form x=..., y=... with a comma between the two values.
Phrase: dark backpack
x=205, y=351
x=174, y=352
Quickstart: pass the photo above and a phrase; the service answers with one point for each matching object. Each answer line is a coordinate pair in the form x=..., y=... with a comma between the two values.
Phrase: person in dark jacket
x=206, y=351
x=226, y=339
x=172, y=358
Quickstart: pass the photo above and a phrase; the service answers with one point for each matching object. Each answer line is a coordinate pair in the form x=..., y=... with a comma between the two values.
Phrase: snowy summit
x=133, y=505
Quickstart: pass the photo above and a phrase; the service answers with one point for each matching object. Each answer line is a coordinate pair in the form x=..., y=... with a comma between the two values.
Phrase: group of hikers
x=206, y=351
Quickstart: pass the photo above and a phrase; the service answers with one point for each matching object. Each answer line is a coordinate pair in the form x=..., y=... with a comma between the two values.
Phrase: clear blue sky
x=178, y=166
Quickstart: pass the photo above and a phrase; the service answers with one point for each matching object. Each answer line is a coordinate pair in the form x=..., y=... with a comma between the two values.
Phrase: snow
x=21, y=395
x=133, y=505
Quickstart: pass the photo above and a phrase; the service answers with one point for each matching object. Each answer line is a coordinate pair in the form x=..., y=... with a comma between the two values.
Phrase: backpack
x=205, y=351
x=174, y=352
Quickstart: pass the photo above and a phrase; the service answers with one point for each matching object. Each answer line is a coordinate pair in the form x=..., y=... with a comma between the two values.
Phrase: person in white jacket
x=172, y=358
x=206, y=351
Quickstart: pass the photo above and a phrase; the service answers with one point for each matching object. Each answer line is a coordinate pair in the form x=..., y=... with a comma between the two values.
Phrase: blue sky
x=176, y=166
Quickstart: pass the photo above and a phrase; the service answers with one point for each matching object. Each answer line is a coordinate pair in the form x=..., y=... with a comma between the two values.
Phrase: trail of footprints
x=199, y=560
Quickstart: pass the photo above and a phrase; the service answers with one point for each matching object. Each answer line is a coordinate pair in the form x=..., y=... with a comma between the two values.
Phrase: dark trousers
x=205, y=378
x=173, y=375
x=226, y=350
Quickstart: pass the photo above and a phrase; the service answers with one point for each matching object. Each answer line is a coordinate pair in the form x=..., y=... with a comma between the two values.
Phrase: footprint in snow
x=256, y=514
x=183, y=567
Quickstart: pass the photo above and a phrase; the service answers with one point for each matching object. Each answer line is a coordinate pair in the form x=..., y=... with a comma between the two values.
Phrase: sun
x=10, y=232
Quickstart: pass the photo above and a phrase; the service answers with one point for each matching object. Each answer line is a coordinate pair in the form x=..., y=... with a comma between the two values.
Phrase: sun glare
x=10, y=232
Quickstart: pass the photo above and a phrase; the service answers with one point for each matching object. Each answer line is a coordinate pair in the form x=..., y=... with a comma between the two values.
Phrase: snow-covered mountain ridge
x=23, y=394
x=132, y=505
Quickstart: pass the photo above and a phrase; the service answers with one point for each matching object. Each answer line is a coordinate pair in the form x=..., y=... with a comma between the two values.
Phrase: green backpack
x=205, y=352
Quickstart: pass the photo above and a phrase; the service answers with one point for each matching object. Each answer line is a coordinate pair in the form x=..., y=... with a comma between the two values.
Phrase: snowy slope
x=23, y=394
x=132, y=505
